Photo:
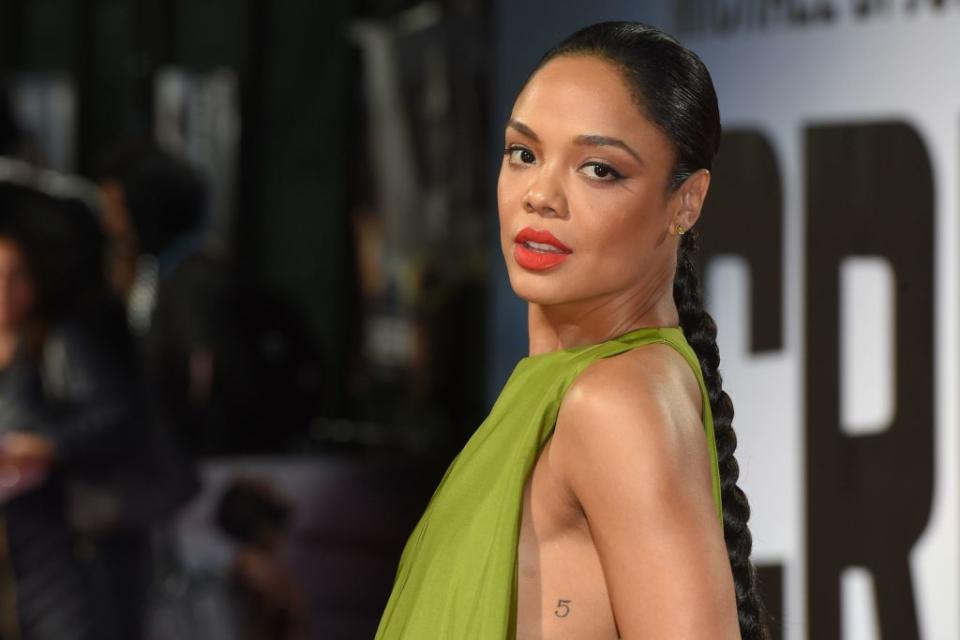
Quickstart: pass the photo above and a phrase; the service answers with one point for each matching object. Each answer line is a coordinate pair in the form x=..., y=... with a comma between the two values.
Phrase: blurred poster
x=197, y=117
x=45, y=105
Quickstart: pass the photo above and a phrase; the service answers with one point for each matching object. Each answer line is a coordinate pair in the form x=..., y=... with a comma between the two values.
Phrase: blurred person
x=153, y=216
x=222, y=359
x=255, y=517
x=599, y=498
x=68, y=413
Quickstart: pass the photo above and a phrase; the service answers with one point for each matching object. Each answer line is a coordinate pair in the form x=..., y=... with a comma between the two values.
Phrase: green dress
x=457, y=574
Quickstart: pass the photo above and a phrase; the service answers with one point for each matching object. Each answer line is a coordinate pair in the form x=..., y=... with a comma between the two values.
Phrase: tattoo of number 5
x=563, y=608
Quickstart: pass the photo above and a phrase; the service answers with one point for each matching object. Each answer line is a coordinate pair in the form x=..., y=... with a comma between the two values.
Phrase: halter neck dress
x=457, y=574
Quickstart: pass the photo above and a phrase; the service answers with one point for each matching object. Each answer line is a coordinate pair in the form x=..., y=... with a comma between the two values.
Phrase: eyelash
x=613, y=172
x=511, y=148
x=616, y=175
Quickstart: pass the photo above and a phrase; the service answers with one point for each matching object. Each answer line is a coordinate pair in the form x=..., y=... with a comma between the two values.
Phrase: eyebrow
x=585, y=140
x=606, y=141
x=522, y=128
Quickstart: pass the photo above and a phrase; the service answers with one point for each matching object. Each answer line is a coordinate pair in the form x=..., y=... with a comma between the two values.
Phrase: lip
x=539, y=259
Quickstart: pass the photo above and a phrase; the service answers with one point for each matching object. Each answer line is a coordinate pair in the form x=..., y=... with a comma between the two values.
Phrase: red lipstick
x=538, y=249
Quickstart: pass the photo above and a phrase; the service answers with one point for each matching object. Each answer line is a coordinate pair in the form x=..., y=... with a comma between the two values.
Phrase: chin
x=539, y=288
x=559, y=284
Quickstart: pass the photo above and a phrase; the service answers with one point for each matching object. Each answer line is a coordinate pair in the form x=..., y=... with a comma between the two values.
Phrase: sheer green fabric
x=457, y=574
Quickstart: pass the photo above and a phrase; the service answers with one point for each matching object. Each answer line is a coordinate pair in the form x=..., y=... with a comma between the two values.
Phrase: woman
x=72, y=569
x=589, y=504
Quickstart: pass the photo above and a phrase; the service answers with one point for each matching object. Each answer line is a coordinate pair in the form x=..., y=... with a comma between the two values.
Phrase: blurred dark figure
x=223, y=360
x=69, y=418
x=254, y=516
x=10, y=134
x=11, y=138
x=153, y=216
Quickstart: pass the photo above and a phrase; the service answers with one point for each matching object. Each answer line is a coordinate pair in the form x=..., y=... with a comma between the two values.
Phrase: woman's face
x=16, y=286
x=583, y=163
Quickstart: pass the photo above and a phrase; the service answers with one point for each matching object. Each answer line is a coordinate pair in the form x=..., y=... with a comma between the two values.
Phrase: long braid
x=701, y=333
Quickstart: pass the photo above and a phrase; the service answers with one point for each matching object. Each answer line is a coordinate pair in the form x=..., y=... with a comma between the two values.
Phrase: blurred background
x=252, y=300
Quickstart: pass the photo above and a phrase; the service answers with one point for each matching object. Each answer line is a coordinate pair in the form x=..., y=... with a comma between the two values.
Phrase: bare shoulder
x=630, y=450
x=638, y=412
x=655, y=371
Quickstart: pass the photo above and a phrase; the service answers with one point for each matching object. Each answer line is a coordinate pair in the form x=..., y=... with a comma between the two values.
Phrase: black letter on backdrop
x=870, y=192
x=743, y=215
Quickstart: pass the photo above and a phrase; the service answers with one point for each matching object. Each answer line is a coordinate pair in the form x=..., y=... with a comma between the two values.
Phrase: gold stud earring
x=680, y=230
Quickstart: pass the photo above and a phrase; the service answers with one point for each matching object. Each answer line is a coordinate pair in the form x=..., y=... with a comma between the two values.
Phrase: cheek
x=501, y=210
x=618, y=224
x=620, y=239
x=507, y=201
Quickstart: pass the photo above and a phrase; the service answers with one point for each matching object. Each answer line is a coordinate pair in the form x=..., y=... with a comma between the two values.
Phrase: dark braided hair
x=673, y=88
x=701, y=333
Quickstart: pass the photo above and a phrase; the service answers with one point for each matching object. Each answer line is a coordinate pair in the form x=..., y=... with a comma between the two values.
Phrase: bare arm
x=630, y=445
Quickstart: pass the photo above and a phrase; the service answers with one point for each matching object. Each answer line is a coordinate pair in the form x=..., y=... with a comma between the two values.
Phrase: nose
x=545, y=195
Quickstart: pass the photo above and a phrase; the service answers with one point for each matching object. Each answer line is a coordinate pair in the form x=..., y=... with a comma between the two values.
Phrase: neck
x=575, y=324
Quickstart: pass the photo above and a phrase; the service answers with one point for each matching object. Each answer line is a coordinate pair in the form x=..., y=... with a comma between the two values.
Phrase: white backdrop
x=895, y=66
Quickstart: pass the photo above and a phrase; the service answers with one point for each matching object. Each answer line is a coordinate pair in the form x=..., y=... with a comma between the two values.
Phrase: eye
x=600, y=171
x=519, y=155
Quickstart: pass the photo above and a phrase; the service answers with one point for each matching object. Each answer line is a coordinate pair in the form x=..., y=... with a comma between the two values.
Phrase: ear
x=692, y=194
